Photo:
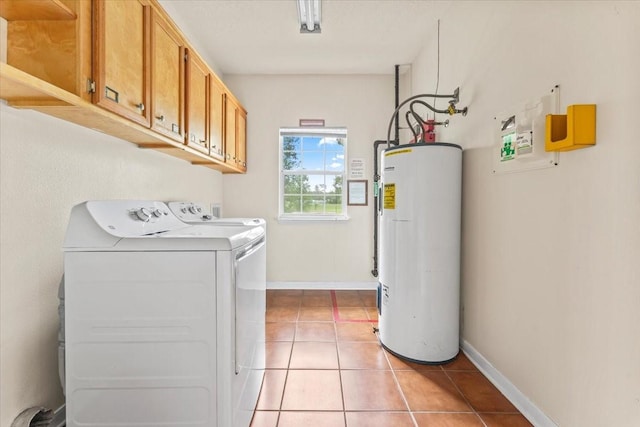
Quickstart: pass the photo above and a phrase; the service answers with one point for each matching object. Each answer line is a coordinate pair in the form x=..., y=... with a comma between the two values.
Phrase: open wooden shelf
x=32, y=10
x=22, y=90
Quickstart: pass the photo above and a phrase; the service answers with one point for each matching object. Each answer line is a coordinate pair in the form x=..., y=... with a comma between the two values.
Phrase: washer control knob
x=194, y=209
x=157, y=213
x=143, y=214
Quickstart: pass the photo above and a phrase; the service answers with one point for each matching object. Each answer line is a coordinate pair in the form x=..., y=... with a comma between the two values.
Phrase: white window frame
x=339, y=132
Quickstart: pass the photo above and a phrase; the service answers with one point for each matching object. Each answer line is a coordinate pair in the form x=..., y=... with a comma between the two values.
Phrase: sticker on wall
x=356, y=169
x=389, y=196
x=524, y=143
x=508, y=150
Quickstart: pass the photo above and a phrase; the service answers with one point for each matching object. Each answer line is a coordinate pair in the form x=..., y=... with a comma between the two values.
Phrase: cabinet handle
x=244, y=164
x=161, y=118
x=203, y=141
x=140, y=106
x=228, y=156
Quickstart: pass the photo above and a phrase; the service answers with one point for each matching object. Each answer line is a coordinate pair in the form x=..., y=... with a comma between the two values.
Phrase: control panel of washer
x=133, y=217
x=191, y=212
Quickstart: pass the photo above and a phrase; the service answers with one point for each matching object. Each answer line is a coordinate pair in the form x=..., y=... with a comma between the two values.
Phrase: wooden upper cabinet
x=56, y=51
x=197, y=110
x=216, y=119
x=129, y=58
x=230, y=132
x=121, y=53
x=241, y=139
x=167, y=79
x=236, y=134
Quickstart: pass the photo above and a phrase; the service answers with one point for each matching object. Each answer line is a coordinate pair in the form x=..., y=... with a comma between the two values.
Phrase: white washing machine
x=164, y=321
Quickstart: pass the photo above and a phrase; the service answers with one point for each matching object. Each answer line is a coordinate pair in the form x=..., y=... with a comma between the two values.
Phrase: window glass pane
x=311, y=143
x=292, y=204
x=315, y=184
x=291, y=143
x=334, y=184
x=333, y=144
x=313, y=204
x=291, y=152
x=334, y=161
x=293, y=184
x=333, y=204
x=312, y=160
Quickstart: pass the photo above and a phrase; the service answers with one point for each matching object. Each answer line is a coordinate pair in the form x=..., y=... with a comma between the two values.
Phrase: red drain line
x=336, y=313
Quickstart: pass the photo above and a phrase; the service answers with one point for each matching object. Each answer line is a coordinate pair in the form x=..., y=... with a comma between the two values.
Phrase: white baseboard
x=515, y=396
x=323, y=285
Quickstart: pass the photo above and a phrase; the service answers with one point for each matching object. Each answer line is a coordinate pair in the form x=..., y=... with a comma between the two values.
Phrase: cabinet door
x=216, y=119
x=230, y=132
x=56, y=51
x=120, y=54
x=241, y=139
x=167, y=80
x=197, y=103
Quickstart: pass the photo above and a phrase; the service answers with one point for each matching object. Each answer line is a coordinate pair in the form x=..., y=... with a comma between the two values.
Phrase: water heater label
x=389, y=196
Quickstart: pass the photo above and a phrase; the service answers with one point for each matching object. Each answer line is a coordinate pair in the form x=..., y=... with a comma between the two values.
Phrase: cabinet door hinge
x=91, y=86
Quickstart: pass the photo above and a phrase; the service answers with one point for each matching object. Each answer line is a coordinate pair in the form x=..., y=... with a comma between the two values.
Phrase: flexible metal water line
x=454, y=99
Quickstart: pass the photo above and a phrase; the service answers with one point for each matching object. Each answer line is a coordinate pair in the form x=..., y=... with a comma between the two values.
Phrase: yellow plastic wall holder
x=576, y=129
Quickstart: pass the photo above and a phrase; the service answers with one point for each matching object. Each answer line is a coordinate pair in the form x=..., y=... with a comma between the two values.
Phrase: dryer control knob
x=157, y=213
x=194, y=209
x=143, y=214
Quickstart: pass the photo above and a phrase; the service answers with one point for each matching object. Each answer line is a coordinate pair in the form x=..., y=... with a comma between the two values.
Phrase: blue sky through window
x=319, y=154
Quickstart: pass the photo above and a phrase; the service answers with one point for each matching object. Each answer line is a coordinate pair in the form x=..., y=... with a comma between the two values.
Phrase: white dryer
x=151, y=317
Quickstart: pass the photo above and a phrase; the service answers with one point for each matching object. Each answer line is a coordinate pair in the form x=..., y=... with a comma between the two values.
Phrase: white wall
x=551, y=270
x=47, y=166
x=321, y=251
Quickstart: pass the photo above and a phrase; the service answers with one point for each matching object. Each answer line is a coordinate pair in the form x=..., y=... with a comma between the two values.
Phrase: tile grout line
x=286, y=376
x=336, y=312
x=335, y=330
x=464, y=397
x=395, y=378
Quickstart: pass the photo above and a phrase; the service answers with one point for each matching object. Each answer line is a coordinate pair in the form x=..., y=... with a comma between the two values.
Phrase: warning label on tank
x=394, y=152
x=389, y=196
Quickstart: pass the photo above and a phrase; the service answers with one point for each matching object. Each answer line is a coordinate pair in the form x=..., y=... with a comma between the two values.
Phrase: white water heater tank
x=419, y=290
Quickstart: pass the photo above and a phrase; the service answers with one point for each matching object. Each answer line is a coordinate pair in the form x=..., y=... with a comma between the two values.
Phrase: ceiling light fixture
x=309, y=16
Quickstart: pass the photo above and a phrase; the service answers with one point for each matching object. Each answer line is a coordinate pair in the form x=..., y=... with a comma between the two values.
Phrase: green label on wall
x=508, y=149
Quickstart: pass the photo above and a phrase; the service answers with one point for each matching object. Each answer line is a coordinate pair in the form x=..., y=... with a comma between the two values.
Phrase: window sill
x=284, y=219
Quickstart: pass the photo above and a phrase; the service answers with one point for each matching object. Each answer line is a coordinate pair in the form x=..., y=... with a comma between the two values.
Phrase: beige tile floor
x=325, y=368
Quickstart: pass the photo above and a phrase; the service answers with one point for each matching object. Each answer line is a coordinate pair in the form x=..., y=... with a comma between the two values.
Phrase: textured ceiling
x=263, y=37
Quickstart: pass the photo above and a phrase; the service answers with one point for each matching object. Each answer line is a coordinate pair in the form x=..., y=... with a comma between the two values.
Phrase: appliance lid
x=130, y=225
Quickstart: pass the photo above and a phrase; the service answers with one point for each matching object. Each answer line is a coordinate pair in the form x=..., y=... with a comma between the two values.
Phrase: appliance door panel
x=249, y=338
x=140, y=338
